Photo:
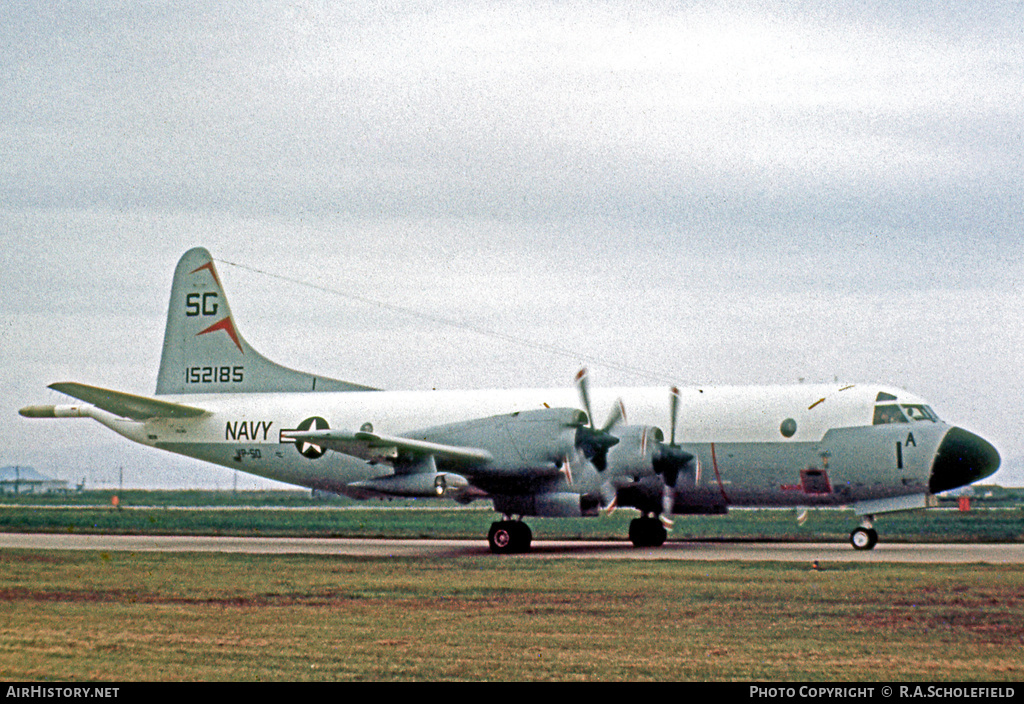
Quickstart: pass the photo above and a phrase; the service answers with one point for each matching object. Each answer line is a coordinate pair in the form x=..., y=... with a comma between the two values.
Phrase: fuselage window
x=918, y=412
x=889, y=414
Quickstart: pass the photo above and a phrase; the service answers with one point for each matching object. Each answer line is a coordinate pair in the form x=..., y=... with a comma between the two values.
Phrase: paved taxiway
x=784, y=552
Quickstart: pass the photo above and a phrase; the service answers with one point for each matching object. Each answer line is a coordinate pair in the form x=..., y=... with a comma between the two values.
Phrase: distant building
x=25, y=480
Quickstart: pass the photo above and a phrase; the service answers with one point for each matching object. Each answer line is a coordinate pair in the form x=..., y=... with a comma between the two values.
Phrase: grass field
x=935, y=525
x=134, y=617
x=148, y=616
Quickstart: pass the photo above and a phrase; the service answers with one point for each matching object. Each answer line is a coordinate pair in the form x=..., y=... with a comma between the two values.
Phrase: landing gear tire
x=863, y=538
x=508, y=537
x=647, y=533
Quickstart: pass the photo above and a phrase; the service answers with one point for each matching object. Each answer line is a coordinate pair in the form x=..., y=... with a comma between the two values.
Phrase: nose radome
x=963, y=457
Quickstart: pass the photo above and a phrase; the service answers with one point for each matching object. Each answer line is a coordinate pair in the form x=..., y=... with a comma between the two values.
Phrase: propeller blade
x=673, y=405
x=582, y=385
x=668, y=494
x=610, y=492
x=609, y=497
x=671, y=460
x=617, y=414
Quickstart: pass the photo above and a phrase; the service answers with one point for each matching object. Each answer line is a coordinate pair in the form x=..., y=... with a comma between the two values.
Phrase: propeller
x=595, y=442
x=668, y=460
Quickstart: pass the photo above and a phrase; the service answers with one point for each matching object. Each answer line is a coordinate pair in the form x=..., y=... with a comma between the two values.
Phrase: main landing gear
x=647, y=532
x=513, y=536
x=508, y=537
x=865, y=537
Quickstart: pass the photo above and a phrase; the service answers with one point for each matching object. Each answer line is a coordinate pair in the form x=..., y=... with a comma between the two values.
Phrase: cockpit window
x=920, y=412
x=889, y=414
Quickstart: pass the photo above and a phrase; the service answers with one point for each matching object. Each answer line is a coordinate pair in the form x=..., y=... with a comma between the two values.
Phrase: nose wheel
x=864, y=538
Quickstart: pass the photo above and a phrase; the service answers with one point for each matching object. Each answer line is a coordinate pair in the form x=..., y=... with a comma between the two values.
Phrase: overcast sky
x=713, y=193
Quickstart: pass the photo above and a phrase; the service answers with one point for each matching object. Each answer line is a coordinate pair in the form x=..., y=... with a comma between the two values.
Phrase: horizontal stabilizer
x=373, y=446
x=127, y=405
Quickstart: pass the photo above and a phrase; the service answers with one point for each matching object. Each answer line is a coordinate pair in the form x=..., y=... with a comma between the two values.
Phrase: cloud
x=515, y=110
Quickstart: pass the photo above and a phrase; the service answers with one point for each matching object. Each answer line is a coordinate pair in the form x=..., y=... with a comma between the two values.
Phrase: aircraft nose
x=962, y=458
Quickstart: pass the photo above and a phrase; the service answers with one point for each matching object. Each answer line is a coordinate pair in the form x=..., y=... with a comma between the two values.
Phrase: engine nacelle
x=644, y=470
x=422, y=485
x=633, y=456
x=561, y=504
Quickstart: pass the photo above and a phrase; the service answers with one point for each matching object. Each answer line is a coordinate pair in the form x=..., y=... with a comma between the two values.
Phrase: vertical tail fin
x=203, y=350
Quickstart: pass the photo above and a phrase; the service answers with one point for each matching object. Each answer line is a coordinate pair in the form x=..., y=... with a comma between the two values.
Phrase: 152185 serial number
x=214, y=375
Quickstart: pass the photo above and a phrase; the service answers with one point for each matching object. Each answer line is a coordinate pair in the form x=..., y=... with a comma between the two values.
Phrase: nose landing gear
x=864, y=537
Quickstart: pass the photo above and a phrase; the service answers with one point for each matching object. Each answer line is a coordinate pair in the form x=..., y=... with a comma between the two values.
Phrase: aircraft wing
x=514, y=453
x=376, y=447
x=127, y=405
